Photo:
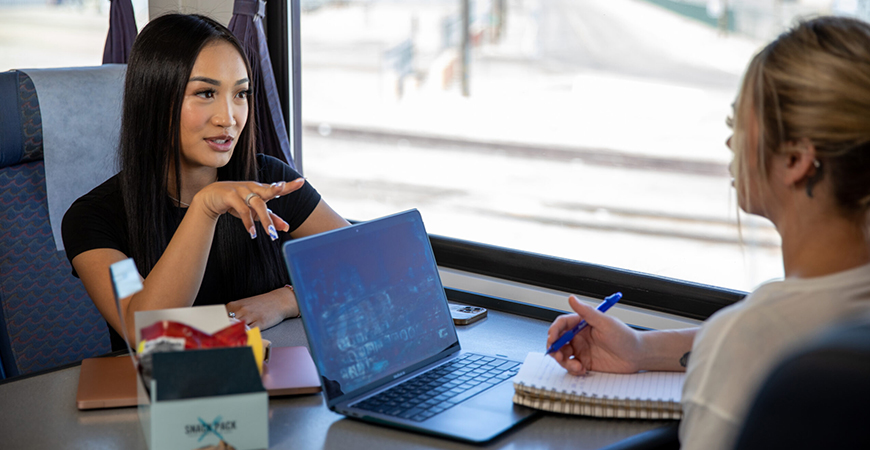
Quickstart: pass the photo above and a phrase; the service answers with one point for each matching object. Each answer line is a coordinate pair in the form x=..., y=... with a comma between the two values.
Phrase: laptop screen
x=371, y=299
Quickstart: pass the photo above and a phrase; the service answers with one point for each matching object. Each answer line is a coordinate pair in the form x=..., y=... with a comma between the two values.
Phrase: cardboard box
x=199, y=398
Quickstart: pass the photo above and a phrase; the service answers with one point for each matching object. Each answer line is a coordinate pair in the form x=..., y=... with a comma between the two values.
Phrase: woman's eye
x=244, y=94
x=208, y=93
x=729, y=121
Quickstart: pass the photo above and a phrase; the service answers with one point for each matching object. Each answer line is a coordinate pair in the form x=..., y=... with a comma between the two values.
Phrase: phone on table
x=466, y=314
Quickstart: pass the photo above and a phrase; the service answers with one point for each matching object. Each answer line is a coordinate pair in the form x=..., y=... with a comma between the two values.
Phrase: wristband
x=298, y=310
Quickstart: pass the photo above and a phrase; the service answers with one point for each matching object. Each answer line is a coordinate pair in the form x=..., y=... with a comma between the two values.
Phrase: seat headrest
x=70, y=118
x=20, y=121
x=21, y=124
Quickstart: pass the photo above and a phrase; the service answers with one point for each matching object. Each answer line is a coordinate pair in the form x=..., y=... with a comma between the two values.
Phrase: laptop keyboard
x=439, y=389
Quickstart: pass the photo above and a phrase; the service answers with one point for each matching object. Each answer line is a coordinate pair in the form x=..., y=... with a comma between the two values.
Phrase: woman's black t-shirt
x=98, y=220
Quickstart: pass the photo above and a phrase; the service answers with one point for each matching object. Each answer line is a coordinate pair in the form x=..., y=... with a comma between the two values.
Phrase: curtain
x=247, y=25
x=122, y=32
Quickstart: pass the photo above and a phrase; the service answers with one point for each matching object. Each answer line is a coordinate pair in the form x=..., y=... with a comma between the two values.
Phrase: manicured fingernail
x=278, y=184
x=269, y=211
x=272, y=233
x=253, y=232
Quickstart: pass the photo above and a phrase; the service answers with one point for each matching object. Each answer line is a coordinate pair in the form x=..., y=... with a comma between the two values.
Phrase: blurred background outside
x=592, y=130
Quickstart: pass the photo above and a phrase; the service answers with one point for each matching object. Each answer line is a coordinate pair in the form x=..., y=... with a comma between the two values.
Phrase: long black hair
x=160, y=65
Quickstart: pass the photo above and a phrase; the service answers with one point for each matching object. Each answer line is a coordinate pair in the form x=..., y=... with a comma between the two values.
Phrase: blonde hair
x=812, y=82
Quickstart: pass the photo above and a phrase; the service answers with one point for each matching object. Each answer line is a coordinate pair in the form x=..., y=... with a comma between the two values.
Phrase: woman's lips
x=220, y=144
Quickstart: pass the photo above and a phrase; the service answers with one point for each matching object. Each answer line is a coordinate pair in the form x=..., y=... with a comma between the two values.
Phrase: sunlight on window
x=591, y=130
x=40, y=34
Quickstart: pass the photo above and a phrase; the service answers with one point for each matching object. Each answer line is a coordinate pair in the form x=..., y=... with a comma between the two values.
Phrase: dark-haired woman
x=191, y=190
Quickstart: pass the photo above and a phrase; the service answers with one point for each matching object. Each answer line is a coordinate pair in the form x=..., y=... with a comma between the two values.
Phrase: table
x=40, y=412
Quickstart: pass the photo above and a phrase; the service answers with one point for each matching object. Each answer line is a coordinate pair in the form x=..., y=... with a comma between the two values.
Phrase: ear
x=800, y=157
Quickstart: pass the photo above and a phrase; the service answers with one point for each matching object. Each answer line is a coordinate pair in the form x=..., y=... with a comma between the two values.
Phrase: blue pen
x=566, y=338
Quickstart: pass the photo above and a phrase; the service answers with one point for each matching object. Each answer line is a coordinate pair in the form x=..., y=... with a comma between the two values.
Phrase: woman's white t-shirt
x=739, y=345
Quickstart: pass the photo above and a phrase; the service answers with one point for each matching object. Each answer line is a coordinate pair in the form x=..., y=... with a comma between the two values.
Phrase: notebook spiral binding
x=565, y=402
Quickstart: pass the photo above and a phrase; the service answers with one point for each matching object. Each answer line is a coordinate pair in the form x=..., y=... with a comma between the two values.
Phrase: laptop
x=382, y=337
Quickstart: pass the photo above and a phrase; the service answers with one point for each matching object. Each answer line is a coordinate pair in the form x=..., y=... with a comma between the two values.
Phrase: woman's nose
x=224, y=117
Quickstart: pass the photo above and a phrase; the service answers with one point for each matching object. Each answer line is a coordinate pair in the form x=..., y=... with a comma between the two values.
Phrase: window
x=37, y=34
x=591, y=130
x=588, y=130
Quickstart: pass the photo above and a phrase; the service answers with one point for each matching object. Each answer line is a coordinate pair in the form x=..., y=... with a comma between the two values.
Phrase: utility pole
x=499, y=12
x=465, y=50
x=723, y=17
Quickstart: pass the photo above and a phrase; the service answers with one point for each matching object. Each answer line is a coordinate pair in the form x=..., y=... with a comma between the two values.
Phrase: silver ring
x=249, y=197
x=232, y=315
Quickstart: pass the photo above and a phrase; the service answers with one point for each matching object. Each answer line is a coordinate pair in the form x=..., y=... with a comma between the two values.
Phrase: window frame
x=651, y=292
x=282, y=39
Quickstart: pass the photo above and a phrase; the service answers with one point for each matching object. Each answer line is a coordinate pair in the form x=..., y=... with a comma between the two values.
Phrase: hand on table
x=266, y=310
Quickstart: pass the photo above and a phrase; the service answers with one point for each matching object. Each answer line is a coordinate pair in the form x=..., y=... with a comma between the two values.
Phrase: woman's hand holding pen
x=606, y=345
x=247, y=201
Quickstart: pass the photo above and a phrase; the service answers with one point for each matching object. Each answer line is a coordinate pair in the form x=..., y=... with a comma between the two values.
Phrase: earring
x=814, y=178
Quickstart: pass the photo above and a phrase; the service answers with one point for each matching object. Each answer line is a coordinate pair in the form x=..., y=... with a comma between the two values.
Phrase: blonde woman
x=801, y=146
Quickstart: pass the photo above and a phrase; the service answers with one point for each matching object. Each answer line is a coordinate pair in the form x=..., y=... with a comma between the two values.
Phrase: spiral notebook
x=543, y=384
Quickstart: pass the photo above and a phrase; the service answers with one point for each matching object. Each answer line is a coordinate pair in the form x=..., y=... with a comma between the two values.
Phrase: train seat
x=817, y=397
x=46, y=317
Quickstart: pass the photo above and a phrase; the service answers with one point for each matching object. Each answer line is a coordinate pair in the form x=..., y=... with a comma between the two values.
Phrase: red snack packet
x=234, y=335
x=231, y=336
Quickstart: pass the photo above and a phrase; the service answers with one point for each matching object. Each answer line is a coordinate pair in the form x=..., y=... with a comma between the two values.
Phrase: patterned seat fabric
x=46, y=317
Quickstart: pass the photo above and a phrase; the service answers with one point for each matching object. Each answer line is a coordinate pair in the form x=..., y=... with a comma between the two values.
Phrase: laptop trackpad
x=497, y=400
x=483, y=416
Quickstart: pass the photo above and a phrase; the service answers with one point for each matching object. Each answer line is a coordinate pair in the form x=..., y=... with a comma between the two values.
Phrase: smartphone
x=465, y=314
